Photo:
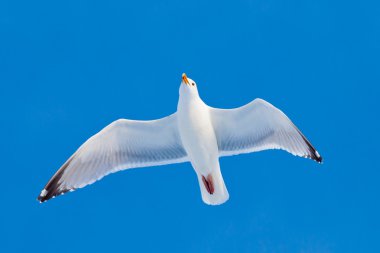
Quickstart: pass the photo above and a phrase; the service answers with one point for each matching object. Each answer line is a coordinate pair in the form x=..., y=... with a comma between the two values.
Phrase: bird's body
x=196, y=133
x=199, y=140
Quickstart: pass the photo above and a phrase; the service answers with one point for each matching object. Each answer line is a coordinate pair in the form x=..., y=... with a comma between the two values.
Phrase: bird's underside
x=128, y=144
x=208, y=183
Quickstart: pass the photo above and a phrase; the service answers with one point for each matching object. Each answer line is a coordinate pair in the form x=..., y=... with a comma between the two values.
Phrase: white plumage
x=196, y=133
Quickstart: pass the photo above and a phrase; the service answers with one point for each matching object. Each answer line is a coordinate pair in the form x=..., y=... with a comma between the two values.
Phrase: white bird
x=196, y=133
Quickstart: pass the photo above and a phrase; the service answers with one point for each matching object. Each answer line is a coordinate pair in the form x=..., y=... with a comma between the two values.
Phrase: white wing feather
x=258, y=126
x=121, y=145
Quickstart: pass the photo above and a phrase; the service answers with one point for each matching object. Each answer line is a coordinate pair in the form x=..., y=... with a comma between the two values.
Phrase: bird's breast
x=197, y=135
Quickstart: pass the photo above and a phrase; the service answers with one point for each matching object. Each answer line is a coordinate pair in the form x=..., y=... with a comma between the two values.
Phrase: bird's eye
x=193, y=84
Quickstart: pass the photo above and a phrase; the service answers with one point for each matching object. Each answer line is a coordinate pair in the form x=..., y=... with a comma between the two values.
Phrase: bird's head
x=188, y=86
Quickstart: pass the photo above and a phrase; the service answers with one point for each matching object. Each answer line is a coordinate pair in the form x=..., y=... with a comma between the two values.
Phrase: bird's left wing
x=258, y=126
x=121, y=145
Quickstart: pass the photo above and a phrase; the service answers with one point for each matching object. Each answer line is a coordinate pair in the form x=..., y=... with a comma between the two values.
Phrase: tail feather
x=219, y=193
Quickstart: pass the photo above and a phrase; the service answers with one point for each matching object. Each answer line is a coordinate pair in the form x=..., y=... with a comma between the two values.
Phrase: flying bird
x=196, y=133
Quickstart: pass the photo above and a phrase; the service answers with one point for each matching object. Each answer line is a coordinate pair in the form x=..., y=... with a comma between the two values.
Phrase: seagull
x=196, y=133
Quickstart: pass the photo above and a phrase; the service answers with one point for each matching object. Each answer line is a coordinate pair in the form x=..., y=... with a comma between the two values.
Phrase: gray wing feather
x=258, y=126
x=121, y=145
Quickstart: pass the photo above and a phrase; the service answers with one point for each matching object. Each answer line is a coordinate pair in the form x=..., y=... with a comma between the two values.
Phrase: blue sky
x=68, y=68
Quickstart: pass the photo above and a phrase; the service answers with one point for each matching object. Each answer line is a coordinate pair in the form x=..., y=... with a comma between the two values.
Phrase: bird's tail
x=213, y=189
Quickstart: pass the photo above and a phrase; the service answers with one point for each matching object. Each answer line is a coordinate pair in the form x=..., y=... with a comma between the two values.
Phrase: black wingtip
x=45, y=195
x=316, y=157
x=313, y=153
x=320, y=159
x=41, y=198
x=53, y=187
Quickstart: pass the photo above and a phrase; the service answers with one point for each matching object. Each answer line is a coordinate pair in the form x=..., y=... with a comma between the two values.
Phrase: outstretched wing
x=258, y=126
x=121, y=145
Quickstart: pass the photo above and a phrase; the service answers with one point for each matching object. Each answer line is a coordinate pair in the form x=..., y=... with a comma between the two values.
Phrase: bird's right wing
x=121, y=145
x=258, y=126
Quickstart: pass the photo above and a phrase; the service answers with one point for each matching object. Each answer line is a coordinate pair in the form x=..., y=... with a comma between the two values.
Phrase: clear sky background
x=69, y=68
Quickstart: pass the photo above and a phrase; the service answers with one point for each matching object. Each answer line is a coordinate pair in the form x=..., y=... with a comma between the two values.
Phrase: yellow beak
x=184, y=78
